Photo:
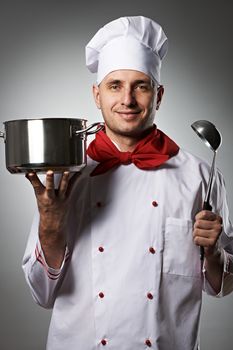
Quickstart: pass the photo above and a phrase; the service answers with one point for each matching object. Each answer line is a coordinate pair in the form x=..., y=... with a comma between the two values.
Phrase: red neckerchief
x=150, y=152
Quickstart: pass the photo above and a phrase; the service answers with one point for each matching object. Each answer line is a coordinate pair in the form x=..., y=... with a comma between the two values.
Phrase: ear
x=96, y=94
x=160, y=93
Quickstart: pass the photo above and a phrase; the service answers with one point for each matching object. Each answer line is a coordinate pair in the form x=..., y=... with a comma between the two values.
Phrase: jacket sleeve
x=225, y=243
x=43, y=280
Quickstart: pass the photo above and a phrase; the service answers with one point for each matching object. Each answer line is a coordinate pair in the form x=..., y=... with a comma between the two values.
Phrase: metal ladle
x=212, y=138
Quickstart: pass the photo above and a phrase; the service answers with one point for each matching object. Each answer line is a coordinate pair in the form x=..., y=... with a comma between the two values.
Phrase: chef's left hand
x=207, y=229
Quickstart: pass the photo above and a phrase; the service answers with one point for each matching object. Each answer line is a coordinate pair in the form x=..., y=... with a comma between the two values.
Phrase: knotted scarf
x=150, y=152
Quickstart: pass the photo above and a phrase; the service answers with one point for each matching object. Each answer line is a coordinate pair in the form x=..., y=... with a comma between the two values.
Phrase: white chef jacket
x=131, y=278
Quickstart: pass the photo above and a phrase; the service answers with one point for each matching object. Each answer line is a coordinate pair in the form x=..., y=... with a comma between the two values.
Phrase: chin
x=131, y=130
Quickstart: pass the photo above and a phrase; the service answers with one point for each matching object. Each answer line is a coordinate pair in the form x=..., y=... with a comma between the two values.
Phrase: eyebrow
x=143, y=81
x=139, y=81
x=114, y=81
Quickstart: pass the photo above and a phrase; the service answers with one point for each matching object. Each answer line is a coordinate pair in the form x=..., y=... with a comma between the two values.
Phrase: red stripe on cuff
x=39, y=257
x=53, y=278
x=54, y=274
x=67, y=257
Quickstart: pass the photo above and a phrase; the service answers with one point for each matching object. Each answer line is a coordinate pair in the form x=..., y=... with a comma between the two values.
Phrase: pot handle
x=99, y=126
x=2, y=134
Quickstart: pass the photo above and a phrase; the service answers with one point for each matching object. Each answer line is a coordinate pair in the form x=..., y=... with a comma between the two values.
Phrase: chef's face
x=128, y=100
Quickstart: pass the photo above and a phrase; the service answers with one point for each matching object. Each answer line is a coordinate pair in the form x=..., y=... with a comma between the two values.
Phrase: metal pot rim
x=48, y=118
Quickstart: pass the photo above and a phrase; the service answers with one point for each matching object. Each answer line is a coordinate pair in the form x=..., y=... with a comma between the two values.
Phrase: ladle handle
x=206, y=206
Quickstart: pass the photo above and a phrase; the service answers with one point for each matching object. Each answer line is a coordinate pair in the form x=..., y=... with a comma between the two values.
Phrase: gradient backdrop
x=42, y=73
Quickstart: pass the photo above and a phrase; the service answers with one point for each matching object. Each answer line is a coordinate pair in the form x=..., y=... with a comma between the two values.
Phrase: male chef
x=115, y=250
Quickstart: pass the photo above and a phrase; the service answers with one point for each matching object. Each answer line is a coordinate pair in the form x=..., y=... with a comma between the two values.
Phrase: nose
x=128, y=98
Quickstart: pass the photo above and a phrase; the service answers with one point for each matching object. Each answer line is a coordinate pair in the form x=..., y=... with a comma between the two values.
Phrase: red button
x=103, y=342
x=150, y=296
x=101, y=249
x=101, y=295
x=148, y=343
x=155, y=204
x=152, y=250
x=99, y=204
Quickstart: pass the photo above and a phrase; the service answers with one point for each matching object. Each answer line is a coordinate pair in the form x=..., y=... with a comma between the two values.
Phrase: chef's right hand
x=53, y=205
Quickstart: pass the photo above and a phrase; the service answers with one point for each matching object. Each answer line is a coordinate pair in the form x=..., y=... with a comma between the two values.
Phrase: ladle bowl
x=208, y=133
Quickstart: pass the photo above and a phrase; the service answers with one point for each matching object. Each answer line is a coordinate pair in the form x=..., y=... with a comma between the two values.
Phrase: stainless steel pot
x=39, y=145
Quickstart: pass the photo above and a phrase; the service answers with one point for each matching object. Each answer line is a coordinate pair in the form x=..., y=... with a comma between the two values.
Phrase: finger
x=204, y=242
x=72, y=183
x=211, y=233
x=206, y=215
x=49, y=184
x=63, y=184
x=202, y=233
x=206, y=224
x=36, y=183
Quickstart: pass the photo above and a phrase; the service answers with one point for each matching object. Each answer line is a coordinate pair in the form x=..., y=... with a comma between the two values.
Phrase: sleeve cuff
x=52, y=274
x=226, y=287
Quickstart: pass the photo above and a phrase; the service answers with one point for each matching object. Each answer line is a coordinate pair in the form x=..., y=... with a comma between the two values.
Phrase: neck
x=124, y=142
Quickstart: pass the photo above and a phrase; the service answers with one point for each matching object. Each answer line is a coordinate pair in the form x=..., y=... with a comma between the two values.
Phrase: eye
x=114, y=87
x=143, y=87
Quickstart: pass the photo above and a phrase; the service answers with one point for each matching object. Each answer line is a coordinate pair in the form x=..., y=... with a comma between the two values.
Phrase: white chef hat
x=136, y=43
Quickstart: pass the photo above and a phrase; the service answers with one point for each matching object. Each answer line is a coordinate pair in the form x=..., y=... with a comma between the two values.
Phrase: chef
x=114, y=251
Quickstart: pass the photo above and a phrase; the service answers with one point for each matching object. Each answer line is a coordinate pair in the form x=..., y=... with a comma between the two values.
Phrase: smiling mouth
x=128, y=116
x=128, y=112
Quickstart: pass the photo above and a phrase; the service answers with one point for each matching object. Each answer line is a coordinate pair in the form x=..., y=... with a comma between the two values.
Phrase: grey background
x=42, y=73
